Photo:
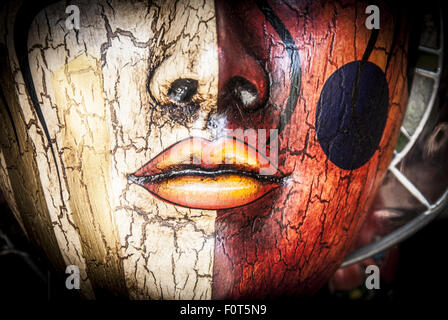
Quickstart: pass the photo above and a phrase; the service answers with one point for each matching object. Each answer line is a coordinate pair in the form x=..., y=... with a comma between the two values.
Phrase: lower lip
x=204, y=192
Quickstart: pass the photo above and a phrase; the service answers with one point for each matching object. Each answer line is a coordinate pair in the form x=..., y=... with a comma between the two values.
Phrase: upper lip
x=186, y=158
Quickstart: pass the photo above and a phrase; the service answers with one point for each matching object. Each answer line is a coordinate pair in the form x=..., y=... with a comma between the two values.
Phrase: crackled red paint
x=293, y=240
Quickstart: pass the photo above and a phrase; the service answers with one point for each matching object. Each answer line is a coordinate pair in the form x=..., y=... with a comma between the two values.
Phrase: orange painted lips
x=202, y=174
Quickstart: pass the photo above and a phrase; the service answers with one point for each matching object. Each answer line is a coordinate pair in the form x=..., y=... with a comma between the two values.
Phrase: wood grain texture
x=23, y=189
x=62, y=223
x=85, y=137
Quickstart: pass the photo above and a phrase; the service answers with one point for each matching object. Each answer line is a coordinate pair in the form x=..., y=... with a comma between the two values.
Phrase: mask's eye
x=182, y=90
x=351, y=114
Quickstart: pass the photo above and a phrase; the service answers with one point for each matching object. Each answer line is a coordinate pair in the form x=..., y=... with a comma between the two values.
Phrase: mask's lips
x=202, y=174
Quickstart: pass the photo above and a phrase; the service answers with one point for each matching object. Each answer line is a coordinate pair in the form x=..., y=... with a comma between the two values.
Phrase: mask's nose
x=243, y=83
x=186, y=78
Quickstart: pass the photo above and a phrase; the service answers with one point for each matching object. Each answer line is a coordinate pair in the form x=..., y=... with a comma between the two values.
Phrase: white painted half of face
x=92, y=85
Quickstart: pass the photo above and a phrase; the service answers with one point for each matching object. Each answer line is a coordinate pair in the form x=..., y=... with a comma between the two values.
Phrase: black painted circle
x=351, y=114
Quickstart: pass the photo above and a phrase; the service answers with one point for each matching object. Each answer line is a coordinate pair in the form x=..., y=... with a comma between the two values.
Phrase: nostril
x=182, y=90
x=244, y=91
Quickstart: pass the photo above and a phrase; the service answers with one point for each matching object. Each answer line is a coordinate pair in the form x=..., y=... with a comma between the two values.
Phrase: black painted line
x=370, y=45
x=365, y=57
x=294, y=58
x=22, y=24
x=11, y=119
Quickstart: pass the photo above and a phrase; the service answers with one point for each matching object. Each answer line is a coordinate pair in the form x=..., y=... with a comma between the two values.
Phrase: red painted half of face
x=336, y=92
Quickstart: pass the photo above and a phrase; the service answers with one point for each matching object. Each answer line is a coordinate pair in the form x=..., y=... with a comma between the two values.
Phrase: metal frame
x=9, y=249
x=432, y=209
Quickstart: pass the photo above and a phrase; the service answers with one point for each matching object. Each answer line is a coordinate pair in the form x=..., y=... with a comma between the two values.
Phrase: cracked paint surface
x=108, y=125
x=289, y=243
x=105, y=92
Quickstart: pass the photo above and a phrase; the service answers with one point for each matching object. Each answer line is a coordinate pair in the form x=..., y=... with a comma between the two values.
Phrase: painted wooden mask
x=198, y=149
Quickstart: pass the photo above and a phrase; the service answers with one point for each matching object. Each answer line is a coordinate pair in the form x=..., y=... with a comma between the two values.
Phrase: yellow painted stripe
x=81, y=111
